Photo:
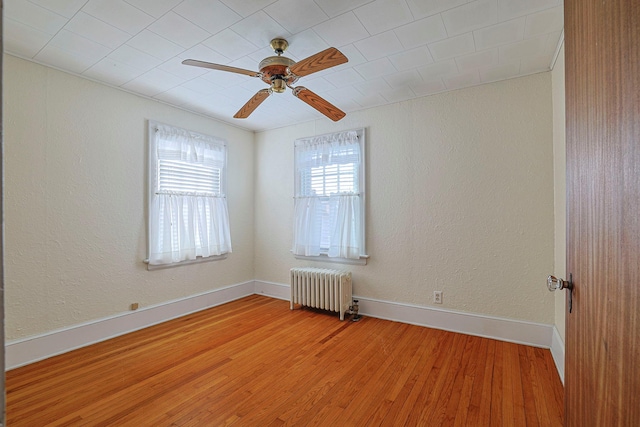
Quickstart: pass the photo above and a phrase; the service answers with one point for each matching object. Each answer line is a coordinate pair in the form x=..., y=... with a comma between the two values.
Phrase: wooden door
x=602, y=372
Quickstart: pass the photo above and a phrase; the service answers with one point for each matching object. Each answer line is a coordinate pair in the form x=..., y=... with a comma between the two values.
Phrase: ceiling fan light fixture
x=278, y=85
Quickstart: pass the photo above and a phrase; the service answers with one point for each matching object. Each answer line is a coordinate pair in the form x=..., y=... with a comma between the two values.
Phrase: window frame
x=152, y=179
x=361, y=176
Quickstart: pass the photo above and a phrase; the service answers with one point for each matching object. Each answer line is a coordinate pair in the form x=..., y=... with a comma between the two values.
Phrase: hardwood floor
x=253, y=362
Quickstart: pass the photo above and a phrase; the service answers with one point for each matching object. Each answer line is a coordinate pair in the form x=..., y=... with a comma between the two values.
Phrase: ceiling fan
x=280, y=72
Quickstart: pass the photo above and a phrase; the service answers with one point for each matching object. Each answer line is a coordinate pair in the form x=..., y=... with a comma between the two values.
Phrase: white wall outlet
x=437, y=297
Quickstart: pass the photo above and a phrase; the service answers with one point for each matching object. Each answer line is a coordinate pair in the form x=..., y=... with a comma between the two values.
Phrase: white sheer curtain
x=327, y=211
x=188, y=215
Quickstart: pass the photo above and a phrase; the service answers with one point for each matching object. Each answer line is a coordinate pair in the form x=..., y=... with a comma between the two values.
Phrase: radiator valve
x=353, y=309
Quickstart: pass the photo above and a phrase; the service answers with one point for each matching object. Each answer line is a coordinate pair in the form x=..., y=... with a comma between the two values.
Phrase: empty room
x=321, y=212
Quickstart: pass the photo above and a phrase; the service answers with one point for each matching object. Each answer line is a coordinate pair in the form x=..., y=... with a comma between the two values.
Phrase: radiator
x=321, y=288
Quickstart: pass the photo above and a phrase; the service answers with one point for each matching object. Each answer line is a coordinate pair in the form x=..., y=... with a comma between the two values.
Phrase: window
x=329, y=196
x=188, y=216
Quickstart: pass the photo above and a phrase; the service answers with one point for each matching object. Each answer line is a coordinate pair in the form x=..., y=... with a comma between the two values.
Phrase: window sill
x=324, y=258
x=198, y=260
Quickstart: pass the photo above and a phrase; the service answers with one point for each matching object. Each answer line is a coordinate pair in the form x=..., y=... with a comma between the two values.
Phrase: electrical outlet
x=437, y=297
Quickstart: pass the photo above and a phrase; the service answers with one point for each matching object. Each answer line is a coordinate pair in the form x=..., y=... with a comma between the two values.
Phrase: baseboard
x=25, y=351
x=32, y=349
x=516, y=331
x=273, y=290
x=557, y=351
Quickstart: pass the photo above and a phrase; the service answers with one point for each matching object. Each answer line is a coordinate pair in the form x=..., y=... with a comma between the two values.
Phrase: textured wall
x=560, y=187
x=460, y=199
x=75, y=212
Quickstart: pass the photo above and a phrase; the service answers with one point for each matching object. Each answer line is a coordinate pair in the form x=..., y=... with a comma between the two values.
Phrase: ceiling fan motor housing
x=274, y=68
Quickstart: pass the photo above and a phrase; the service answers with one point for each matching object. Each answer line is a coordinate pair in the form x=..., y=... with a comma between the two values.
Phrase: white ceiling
x=397, y=49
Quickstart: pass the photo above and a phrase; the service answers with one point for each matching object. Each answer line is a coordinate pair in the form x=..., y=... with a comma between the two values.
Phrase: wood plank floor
x=253, y=362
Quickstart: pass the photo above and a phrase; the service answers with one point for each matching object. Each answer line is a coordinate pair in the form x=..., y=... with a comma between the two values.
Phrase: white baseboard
x=273, y=290
x=529, y=333
x=557, y=351
x=32, y=349
x=25, y=351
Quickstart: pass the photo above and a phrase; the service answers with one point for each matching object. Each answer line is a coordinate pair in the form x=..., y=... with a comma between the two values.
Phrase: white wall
x=560, y=187
x=460, y=199
x=75, y=190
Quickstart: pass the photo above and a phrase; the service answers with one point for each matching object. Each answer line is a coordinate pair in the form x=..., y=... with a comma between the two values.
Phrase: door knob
x=554, y=283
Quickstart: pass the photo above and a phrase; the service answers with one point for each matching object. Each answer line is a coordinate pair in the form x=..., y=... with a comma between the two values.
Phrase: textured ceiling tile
x=134, y=58
x=230, y=44
x=471, y=16
x=413, y=58
x=119, y=14
x=153, y=82
x=304, y=44
x=424, y=31
x=547, y=21
x=347, y=92
x=155, y=8
x=378, y=46
x=346, y=77
x=509, y=9
x=319, y=85
x=259, y=29
x=23, y=40
x=428, y=88
x=245, y=8
x=176, y=96
x=112, y=72
x=79, y=46
x=338, y=7
x=485, y=59
x=500, y=72
x=66, y=8
x=370, y=100
x=500, y=34
x=201, y=86
x=404, y=78
x=424, y=8
x=296, y=15
x=155, y=45
x=34, y=16
x=179, y=30
x=375, y=69
x=97, y=30
x=383, y=15
x=341, y=30
x=64, y=60
x=438, y=70
x=454, y=46
x=212, y=16
x=397, y=43
x=521, y=49
x=398, y=94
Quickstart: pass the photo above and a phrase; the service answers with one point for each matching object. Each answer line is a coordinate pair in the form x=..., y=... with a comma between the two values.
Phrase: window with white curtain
x=329, y=196
x=188, y=214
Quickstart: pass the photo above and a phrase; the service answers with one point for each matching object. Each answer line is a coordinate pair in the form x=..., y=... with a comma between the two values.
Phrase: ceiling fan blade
x=320, y=61
x=220, y=67
x=319, y=103
x=252, y=104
